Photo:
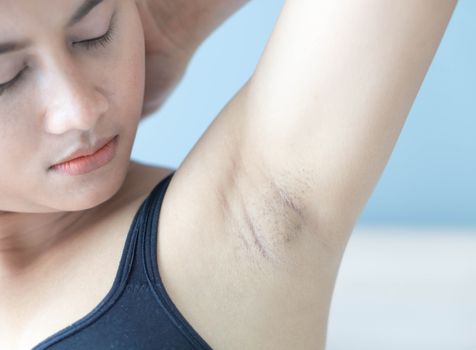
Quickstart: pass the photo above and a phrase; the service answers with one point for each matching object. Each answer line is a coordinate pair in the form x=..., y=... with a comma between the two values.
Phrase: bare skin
x=283, y=176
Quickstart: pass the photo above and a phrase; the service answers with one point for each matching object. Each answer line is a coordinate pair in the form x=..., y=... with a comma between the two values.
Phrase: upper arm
x=330, y=96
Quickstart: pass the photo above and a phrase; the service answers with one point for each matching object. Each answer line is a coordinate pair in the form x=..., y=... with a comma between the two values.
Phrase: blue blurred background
x=430, y=179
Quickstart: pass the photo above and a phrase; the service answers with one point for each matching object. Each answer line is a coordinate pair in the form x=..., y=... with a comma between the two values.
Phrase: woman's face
x=64, y=91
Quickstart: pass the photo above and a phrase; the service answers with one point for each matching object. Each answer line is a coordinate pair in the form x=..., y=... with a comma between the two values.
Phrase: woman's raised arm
x=330, y=96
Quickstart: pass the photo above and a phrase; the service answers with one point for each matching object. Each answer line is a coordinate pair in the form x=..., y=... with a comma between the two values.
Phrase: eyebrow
x=78, y=15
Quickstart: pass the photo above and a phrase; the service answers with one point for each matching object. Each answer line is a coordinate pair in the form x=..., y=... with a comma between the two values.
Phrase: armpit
x=266, y=218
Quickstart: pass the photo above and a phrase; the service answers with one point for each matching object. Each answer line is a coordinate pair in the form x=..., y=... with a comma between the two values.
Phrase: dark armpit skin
x=173, y=30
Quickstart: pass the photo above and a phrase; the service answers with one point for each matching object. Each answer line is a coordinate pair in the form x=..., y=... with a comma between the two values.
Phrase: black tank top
x=137, y=312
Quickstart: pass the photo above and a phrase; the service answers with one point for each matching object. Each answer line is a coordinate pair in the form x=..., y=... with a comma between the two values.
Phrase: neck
x=25, y=238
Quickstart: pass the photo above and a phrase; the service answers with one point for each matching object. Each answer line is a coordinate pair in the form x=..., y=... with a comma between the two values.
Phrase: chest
x=66, y=285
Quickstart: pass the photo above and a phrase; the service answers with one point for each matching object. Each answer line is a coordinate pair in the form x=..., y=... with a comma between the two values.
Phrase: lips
x=86, y=150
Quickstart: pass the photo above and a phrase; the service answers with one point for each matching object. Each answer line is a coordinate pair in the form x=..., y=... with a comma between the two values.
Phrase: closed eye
x=102, y=40
x=9, y=84
x=89, y=44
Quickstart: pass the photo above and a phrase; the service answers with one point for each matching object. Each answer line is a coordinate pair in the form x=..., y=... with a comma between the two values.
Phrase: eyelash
x=89, y=44
x=102, y=40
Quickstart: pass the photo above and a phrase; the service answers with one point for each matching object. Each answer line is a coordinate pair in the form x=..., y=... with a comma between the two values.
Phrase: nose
x=72, y=101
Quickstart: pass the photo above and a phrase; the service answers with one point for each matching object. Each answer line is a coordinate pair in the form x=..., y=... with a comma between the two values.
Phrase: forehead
x=12, y=11
x=17, y=14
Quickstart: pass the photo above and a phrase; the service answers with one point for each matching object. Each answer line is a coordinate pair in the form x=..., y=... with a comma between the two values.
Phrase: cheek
x=17, y=163
x=19, y=140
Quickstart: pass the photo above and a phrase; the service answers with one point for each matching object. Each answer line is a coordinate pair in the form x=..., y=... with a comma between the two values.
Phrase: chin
x=86, y=192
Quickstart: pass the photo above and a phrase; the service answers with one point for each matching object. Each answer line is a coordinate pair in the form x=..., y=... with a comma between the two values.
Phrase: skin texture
x=64, y=99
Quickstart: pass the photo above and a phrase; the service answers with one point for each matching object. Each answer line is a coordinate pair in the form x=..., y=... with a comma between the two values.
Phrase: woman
x=254, y=222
